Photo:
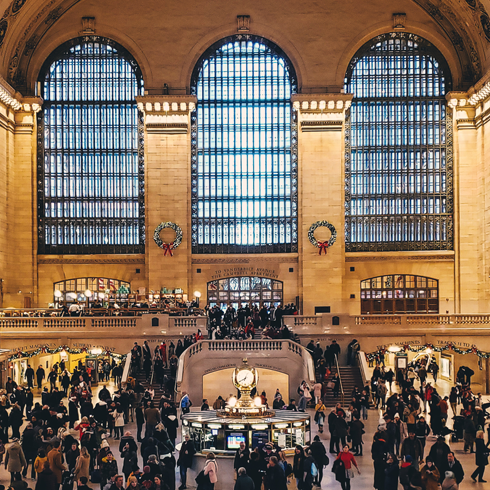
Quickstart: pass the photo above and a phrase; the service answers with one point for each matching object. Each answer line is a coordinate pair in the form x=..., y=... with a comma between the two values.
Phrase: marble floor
x=363, y=481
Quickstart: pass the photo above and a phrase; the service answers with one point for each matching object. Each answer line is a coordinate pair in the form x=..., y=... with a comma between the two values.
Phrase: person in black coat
x=73, y=411
x=481, y=457
x=46, y=480
x=391, y=473
x=186, y=457
x=244, y=482
x=242, y=457
x=275, y=478
x=318, y=452
x=40, y=375
x=30, y=376
x=452, y=464
x=379, y=452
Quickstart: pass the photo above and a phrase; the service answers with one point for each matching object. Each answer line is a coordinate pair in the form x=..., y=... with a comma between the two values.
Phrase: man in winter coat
x=452, y=464
x=186, y=456
x=40, y=375
x=15, y=460
x=275, y=477
x=55, y=460
x=244, y=482
x=412, y=446
x=30, y=376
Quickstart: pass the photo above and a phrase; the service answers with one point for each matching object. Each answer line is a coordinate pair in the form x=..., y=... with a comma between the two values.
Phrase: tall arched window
x=244, y=149
x=398, y=147
x=90, y=163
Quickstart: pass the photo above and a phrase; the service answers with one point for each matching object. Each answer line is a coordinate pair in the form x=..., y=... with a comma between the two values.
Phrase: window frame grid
x=95, y=227
x=375, y=227
x=233, y=221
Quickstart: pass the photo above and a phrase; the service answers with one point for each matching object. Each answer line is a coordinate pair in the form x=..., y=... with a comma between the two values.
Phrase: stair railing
x=340, y=379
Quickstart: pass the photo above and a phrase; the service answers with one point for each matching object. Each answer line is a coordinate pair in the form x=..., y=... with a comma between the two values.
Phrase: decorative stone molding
x=243, y=23
x=399, y=22
x=463, y=111
x=167, y=114
x=88, y=26
x=386, y=258
x=90, y=260
x=321, y=112
x=244, y=260
x=8, y=96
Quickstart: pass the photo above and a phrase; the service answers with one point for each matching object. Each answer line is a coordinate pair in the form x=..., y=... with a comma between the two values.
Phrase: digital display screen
x=233, y=441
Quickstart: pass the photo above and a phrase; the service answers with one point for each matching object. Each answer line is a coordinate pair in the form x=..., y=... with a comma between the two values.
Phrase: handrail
x=340, y=379
x=127, y=366
x=363, y=367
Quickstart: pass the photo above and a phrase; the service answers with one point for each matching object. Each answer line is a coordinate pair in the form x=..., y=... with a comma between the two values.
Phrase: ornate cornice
x=8, y=96
x=321, y=112
x=245, y=260
x=90, y=260
x=167, y=114
x=385, y=258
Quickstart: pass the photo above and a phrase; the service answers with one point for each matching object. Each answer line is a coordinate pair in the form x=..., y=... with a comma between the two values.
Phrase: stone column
x=167, y=186
x=468, y=205
x=321, y=177
x=21, y=208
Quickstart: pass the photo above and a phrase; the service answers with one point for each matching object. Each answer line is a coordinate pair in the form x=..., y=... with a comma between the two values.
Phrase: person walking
x=209, y=474
x=319, y=454
x=55, y=460
x=15, y=460
x=40, y=375
x=82, y=466
x=244, y=482
x=186, y=457
x=320, y=416
x=430, y=475
x=348, y=461
x=481, y=457
x=391, y=473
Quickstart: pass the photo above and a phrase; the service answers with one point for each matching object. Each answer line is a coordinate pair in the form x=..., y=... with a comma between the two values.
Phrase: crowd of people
x=71, y=444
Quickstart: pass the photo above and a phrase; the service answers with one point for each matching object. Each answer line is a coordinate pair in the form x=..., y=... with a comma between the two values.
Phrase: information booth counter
x=223, y=436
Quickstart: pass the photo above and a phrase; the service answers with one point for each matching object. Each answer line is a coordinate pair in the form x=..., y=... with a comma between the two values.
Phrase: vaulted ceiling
x=27, y=24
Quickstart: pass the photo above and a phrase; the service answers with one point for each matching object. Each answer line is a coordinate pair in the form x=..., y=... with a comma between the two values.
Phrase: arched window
x=90, y=161
x=399, y=293
x=244, y=149
x=398, y=161
x=245, y=290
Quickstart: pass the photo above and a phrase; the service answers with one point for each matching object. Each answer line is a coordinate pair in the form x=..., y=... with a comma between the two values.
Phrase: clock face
x=245, y=377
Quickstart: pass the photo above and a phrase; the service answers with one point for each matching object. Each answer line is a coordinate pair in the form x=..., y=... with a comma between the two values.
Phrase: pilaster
x=167, y=123
x=321, y=121
x=21, y=280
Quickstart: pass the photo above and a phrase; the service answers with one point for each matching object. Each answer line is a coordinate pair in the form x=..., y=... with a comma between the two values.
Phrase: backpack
x=314, y=470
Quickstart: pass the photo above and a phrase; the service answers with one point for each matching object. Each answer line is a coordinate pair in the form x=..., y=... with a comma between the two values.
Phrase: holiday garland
x=319, y=244
x=419, y=348
x=46, y=350
x=168, y=247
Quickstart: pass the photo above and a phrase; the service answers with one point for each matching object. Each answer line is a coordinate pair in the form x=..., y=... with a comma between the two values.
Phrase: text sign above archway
x=223, y=272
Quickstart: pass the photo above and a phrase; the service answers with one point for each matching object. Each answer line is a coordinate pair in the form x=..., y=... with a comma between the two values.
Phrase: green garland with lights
x=46, y=350
x=419, y=348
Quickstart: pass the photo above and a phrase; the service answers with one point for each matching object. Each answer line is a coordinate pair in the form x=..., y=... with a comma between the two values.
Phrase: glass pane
x=91, y=172
x=244, y=168
x=398, y=164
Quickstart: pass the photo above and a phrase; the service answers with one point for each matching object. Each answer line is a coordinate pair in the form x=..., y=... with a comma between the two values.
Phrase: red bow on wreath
x=167, y=247
x=323, y=247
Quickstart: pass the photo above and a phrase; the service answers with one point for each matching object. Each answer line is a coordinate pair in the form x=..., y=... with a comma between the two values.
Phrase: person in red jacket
x=349, y=460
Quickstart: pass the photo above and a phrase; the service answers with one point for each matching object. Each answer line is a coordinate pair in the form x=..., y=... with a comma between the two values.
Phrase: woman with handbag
x=348, y=461
x=209, y=474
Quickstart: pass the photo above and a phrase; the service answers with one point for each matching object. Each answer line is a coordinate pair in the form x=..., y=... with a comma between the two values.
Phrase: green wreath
x=319, y=244
x=168, y=247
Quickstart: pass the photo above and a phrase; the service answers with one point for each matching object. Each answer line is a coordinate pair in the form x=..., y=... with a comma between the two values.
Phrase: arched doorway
x=245, y=289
